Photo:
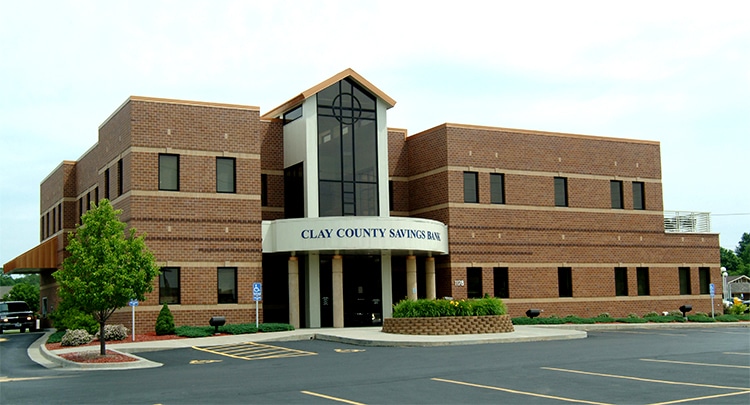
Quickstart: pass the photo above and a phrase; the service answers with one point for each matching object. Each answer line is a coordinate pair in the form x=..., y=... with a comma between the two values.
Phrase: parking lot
x=659, y=366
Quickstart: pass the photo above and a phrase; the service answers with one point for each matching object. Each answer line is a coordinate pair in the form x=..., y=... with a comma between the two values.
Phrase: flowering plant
x=449, y=307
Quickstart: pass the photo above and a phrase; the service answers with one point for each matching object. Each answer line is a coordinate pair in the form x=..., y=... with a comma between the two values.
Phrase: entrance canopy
x=352, y=234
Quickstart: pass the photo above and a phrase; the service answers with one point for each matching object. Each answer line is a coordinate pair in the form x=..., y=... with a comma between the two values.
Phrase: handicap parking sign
x=257, y=291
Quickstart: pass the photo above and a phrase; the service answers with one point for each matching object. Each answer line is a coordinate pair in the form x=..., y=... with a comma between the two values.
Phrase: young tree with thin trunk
x=106, y=268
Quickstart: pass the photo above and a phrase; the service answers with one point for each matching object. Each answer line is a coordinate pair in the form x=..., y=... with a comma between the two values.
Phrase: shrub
x=76, y=337
x=72, y=318
x=114, y=332
x=737, y=309
x=164, y=322
x=194, y=331
x=238, y=329
x=652, y=314
x=56, y=337
x=424, y=308
x=631, y=319
x=700, y=318
x=274, y=327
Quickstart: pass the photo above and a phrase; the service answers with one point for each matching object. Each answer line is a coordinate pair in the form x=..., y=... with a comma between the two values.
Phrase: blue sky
x=677, y=72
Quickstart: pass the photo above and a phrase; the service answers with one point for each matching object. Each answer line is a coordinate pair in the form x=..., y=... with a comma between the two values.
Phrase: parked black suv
x=16, y=315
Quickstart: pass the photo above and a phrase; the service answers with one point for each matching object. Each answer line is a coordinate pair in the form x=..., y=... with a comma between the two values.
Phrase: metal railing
x=684, y=221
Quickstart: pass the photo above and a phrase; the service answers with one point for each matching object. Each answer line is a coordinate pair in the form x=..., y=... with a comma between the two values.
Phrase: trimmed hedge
x=424, y=308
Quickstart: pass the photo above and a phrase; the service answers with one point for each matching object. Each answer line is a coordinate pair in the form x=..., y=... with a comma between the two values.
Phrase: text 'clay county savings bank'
x=390, y=233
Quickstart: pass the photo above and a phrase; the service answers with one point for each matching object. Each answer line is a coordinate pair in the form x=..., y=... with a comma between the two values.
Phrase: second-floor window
x=169, y=172
x=225, y=175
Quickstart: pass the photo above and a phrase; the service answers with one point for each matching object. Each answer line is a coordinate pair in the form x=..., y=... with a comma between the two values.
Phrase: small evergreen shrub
x=165, y=321
x=700, y=318
x=652, y=314
x=238, y=329
x=56, y=337
x=76, y=337
x=114, y=332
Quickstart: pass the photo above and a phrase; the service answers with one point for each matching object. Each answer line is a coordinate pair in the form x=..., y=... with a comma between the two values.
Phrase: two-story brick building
x=339, y=216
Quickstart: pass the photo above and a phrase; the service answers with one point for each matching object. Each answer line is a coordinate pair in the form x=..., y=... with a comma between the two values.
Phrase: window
x=615, y=189
x=119, y=177
x=643, y=283
x=561, y=192
x=639, y=201
x=169, y=172
x=292, y=115
x=471, y=188
x=684, y=280
x=621, y=281
x=80, y=207
x=294, y=192
x=497, y=188
x=96, y=195
x=59, y=216
x=264, y=190
x=225, y=175
x=227, y=285
x=106, y=183
x=169, y=285
x=347, y=151
x=54, y=220
x=502, y=288
x=565, y=281
x=704, y=275
x=474, y=282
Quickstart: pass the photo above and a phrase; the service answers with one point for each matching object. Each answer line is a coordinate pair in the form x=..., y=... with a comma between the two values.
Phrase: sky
x=677, y=72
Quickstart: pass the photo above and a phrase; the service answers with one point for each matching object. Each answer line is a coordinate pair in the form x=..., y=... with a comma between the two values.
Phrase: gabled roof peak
x=346, y=73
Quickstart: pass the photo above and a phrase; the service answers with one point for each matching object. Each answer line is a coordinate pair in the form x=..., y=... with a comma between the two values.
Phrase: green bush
x=194, y=331
x=630, y=319
x=652, y=314
x=56, y=337
x=72, y=318
x=164, y=321
x=737, y=309
x=424, y=308
x=700, y=318
x=238, y=329
x=274, y=327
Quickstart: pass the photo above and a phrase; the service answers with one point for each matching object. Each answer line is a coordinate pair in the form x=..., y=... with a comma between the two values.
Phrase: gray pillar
x=386, y=285
x=293, y=266
x=338, y=291
x=411, y=277
x=430, y=278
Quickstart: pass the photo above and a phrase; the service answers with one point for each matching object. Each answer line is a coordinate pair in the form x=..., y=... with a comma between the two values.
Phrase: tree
x=730, y=261
x=24, y=292
x=105, y=269
x=743, y=249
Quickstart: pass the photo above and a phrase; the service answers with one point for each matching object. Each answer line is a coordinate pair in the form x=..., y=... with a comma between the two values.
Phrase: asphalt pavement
x=367, y=336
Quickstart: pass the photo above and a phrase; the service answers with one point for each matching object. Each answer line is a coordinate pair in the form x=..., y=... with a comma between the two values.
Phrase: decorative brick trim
x=449, y=325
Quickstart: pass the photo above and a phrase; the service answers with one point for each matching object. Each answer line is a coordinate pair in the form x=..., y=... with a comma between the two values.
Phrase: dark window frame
x=222, y=298
x=263, y=190
x=231, y=187
x=501, y=282
x=704, y=277
x=565, y=282
x=471, y=187
x=163, y=172
x=684, y=276
x=497, y=188
x=170, y=298
x=639, y=195
x=120, y=177
x=615, y=191
x=561, y=191
x=474, y=282
x=106, y=183
x=621, y=281
x=644, y=284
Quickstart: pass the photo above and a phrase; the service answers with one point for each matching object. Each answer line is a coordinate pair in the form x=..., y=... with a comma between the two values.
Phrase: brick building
x=338, y=216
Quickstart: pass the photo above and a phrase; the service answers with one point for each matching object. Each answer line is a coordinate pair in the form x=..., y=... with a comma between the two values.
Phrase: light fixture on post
x=724, y=275
x=533, y=313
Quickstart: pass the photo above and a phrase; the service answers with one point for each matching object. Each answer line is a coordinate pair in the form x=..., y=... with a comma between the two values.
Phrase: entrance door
x=363, y=304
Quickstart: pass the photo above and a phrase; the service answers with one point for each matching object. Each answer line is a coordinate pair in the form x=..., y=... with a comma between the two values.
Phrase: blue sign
x=133, y=303
x=711, y=289
x=257, y=291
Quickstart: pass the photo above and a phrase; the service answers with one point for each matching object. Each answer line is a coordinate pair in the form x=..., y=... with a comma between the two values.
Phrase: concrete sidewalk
x=368, y=336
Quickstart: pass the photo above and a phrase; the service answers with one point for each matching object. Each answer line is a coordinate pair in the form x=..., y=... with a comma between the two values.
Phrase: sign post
x=133, y=303
x=712, y=290
x=257, y=294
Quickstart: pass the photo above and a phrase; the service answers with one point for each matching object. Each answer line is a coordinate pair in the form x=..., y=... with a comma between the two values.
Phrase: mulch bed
x=92, y=355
